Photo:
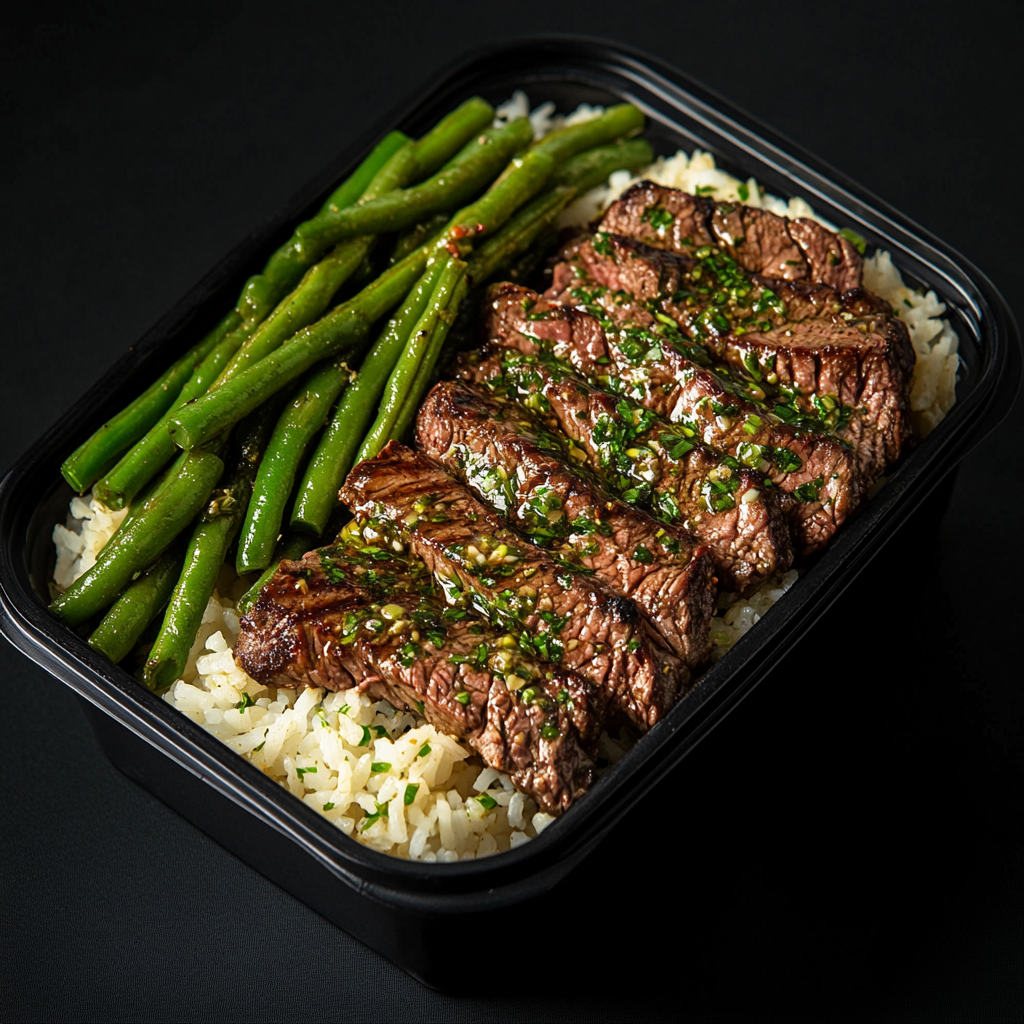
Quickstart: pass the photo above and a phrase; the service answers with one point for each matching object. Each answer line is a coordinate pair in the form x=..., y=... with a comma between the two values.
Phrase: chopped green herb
x=424, y=750
x=809, y=490
x=487, y=802
x=379, y=766
x=411, y=790
x=786, y=460
x=858, y=242
x=245, y=702
x=743, y=191
x=462, y=697
x=372, y=819
x=305, y=771
x=365, y=741
x=329, y=806
x=658, y=218
x=549, y=731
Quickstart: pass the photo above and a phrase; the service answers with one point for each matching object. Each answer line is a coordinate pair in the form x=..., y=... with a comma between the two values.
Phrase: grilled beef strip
x=516, y=465
x=368, y=617
x=647, y=461
x=761, y=242
x=831, y=362
x=647, y=363
x=567, y=617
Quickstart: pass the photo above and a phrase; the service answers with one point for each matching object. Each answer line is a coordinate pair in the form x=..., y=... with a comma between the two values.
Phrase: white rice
x=314, y=741
x=387, y=778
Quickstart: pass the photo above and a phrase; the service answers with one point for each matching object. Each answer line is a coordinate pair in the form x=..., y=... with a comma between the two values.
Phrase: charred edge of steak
x=849, y=359
x=643, y=364
x=569, y=618
x=320, y=623
x=517, y=466
x=841, y=348
x=760, y=241
x=727, y=505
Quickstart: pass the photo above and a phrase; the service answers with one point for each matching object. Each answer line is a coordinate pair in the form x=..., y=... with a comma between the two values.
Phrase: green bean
x=591, y=168
x=343, y=331
x=424, y=372
x=95, y=456
x=417, y=235
x=616, y=122
x=303, y=416
x=405, y=371
x=213, y=534
x=253, y=340
x=318, y=492
x=138, y=465
x=446, y=139
x=168, y=511
x=518, y=233
x=293, y=546
x=471, y=170
x=283, y=271
x=313, y=294
x=524, y=177
x=136, y=607
x=450, y=134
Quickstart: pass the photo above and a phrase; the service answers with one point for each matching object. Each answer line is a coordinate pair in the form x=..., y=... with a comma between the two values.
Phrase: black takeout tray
x=408, y=911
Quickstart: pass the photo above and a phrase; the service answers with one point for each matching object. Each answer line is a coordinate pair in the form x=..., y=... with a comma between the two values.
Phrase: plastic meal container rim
x=993, y=373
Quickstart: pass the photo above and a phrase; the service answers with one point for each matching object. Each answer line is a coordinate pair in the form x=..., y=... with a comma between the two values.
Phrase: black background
x=848, y=844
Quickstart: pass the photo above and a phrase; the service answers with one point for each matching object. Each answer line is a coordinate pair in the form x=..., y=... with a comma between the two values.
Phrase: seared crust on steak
x=848, y=358
x=319, y=622
x=647, y=366
x=728, y=506
x=517, y=466
x=569, y=617
x=760, y=241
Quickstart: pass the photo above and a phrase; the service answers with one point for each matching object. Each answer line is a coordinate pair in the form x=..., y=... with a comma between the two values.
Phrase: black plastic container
x=407, y=911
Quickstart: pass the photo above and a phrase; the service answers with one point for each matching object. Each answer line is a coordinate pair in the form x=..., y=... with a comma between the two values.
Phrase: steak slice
x=330, y=620
x=729, y=506
x=513, y=463
x=565, y=616
x=644, y=363
x=858, y=369
x=761, y=242
x=829, y=362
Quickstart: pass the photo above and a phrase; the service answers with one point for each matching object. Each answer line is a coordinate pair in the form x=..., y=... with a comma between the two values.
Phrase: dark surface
x=848, y=843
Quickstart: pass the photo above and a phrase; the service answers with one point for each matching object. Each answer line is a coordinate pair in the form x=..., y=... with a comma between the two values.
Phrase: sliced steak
x=566, y=616
x=821, y=359
x=513, y=463
x=729, y=506
x=644, y=363
x=760, y=241
x=664, y=218
x=330, y=620
x=858, y=370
